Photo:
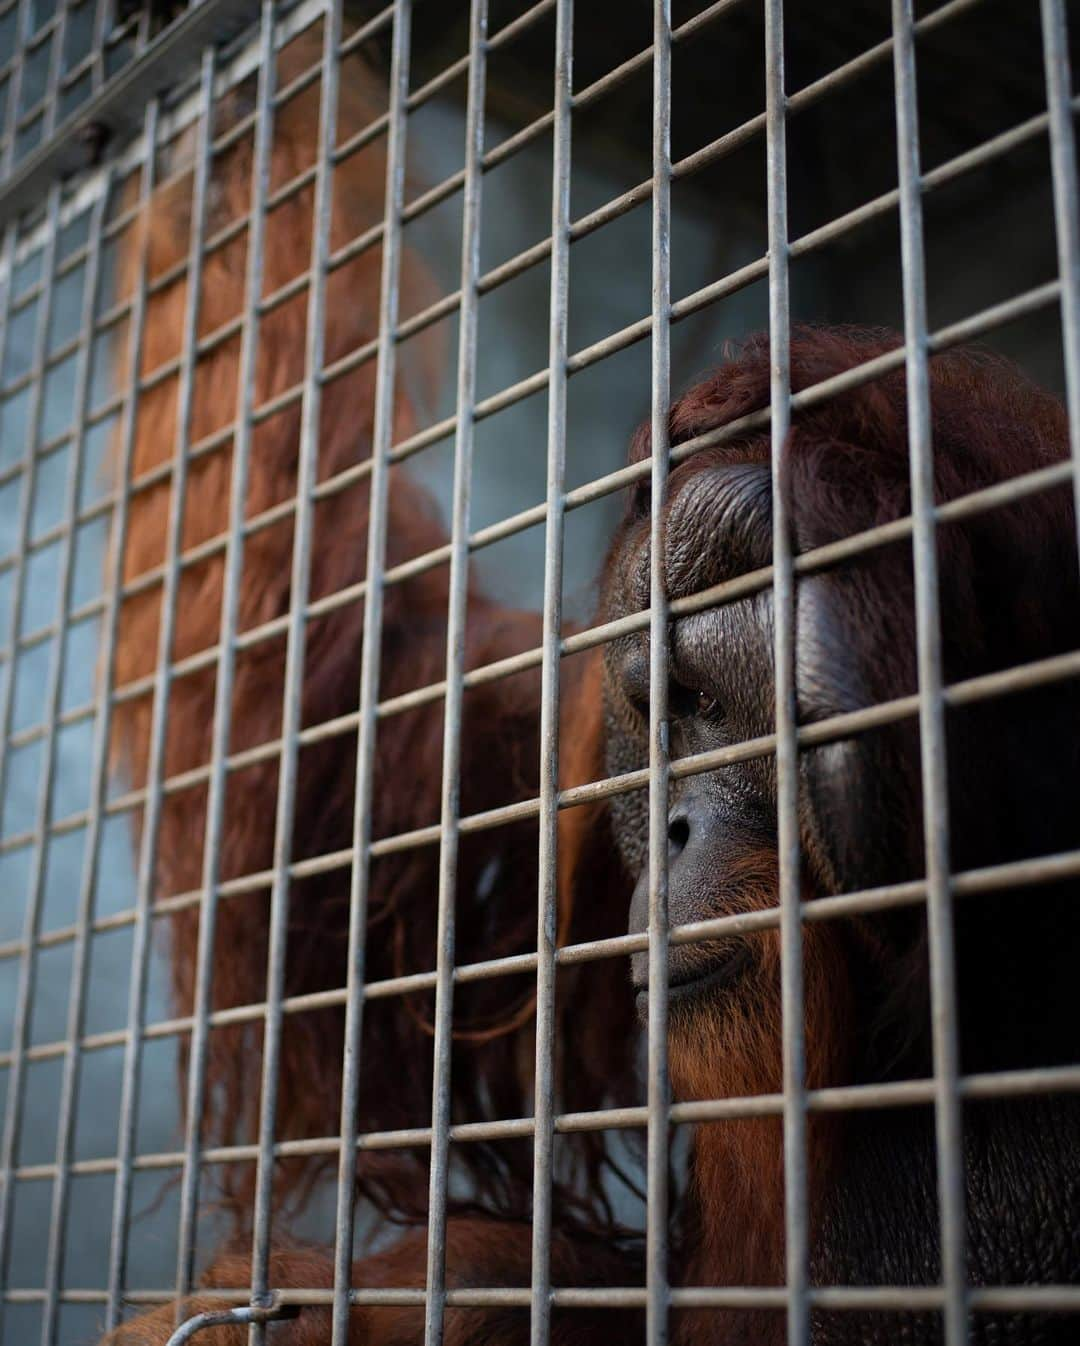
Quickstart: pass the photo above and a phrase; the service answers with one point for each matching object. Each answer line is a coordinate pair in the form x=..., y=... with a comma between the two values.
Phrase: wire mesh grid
x=103, y=422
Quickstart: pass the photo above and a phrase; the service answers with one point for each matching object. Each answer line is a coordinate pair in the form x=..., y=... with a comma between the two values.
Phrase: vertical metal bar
x=22, y=32
x=110, y=626
x=7, y=262
x=142, y=30
x=931, y=701
x=226, y=663
x=787, y=752
x=659, y=1086
x=547, y=913
x=30, y=461
x=7, y=270
x=7, y=120
x=102, y=9
x=294, y=656
x=1066, y=211
x=25, y=992
x=81, y=945
x=143, y=928
x=455, y=662
x=56, y=66
x=7, y=679
x=382, y=435
x=118, y=542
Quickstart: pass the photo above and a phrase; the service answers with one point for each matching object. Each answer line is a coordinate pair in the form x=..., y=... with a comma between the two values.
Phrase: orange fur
x=732, y=1048
x=503, y=1251
x=493, y=1020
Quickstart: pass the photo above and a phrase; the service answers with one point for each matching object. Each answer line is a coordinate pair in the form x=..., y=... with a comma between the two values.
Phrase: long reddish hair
x=496, y=916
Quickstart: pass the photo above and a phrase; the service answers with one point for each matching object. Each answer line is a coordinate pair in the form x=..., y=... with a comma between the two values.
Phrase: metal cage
x=98, y=110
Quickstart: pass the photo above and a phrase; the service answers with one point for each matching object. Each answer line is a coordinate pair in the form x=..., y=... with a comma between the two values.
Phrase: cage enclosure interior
x=539, y=639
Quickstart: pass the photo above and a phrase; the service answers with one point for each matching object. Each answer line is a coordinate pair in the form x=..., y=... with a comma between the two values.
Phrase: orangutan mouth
x=690, y=983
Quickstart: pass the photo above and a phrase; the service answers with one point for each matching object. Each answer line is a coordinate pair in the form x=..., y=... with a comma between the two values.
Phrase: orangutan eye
x=706, y=705
x=693, y=703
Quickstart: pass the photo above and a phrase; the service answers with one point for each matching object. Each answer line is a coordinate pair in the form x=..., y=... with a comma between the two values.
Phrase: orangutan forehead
x=718, y=524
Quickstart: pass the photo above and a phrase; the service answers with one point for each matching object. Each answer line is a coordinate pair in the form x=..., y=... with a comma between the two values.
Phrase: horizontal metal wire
x=838, y=1099
x=900, y=1298
x=993, y=878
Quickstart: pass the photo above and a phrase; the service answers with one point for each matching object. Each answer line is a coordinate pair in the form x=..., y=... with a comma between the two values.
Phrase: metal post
x=155, y=769
x=262, y=144
x=787, y=751
x=547, y=915
x=102, y=15
x=137, y=323
x=81, y=950
x=931, y=699
x=56, y=67
x=455, y=661
x=25, y=993
x=307, y=468
x=1066, y=211
x=382, y=436
x=659, y=1087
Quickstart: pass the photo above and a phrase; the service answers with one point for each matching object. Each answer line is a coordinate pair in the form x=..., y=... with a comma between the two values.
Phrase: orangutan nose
x=693, y=834
x=678, y=833
x=708, y=841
